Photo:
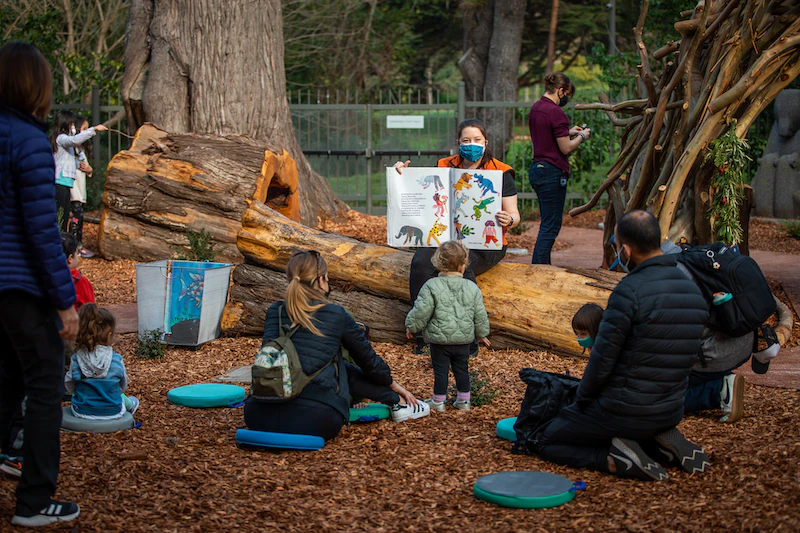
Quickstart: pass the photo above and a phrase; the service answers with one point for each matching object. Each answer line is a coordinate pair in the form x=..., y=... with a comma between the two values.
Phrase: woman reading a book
x=473, y=153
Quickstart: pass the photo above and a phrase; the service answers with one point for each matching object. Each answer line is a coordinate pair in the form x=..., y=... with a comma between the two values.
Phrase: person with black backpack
x=631, y=394
x=306, y=330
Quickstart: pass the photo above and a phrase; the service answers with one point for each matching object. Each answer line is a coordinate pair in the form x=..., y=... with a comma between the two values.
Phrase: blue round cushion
x=370, y=413
x=505, y=429
x=526, y=490
x=207, y=395
x=70, y=422
x=284, y=441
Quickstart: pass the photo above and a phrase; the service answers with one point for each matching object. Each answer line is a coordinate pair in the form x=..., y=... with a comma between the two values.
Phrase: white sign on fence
x=411, y=122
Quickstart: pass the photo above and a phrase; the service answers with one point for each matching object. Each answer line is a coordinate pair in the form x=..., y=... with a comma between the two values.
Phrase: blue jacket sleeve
x=356, y=343
x=35, y=169
x=611, y=338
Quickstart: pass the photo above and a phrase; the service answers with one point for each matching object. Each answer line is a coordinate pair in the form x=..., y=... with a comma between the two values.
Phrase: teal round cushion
x=505, y=429
x=371, y=413
x=70, y=422
x=207, y=395
x=524, y=490
x=284, y=441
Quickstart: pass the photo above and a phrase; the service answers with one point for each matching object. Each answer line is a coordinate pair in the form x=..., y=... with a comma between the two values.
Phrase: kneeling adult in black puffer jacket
x=631, y=395
x=322, y=408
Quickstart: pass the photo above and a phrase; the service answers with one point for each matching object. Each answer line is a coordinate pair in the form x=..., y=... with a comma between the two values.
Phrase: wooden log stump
x=530, y=306
x=167, y=184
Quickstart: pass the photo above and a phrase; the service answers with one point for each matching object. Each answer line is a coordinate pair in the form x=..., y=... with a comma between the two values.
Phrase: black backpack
x=719, y=270
x=546, y=395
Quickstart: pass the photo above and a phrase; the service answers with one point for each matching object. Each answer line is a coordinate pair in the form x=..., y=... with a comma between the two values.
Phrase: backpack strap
x=280, y=324
x=292, y=332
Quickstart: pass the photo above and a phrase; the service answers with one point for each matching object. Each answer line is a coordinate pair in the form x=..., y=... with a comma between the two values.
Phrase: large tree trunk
x=167, y=184
x=530, y=306
x=226, y=79
x=490, y=64
x=551, y=37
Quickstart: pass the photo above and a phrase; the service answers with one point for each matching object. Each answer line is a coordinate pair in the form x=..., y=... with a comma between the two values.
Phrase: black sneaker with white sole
x=54, y=512
x=632, y=461
x=681, y=452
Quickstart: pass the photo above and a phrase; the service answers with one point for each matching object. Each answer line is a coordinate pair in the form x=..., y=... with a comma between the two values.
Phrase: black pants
x=422, y=269
x=444, y=357
x=303, y=416
x=32, y=363
x=76, y=220
x=62, y=207
x=550, y=184
x=582, y=438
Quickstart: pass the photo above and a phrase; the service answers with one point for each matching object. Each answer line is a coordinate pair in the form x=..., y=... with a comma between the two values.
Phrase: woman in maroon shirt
x=553, y=141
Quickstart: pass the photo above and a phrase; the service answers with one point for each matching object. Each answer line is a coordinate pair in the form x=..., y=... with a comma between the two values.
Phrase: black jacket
x=648, y=341
x=338, y=329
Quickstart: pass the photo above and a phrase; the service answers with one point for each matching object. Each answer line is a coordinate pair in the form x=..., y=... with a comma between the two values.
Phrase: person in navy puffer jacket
x=36, y=289
x=630, y=398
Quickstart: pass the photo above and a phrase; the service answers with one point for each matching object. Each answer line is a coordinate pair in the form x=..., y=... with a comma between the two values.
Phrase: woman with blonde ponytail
x=322, y=328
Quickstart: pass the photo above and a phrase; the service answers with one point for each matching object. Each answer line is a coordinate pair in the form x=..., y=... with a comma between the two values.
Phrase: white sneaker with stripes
x=54, y=512
x=402, y=412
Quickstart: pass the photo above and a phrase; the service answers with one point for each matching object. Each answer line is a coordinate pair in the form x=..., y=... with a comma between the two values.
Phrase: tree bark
x=227, y=79
x=490, y=64
x=551, y=38
x=530, y=306
x=167, y=184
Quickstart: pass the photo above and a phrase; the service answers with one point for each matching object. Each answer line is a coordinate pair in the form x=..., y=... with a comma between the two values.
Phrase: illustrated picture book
x=427, y=206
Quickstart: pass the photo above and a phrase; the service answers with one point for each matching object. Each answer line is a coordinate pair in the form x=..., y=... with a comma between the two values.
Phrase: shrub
x=201, y=247
x=149, y=345
x=793, y=227
x=480, y=392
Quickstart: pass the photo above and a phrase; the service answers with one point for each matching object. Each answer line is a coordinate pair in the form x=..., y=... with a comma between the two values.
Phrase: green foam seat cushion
x=371, y=413
x=282, y=441
x=70, y=422
x=525, y=490
x=505, y=429
x=207, y=395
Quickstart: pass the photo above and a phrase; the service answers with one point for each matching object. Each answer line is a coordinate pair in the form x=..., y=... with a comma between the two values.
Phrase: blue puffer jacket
x=648, y=341
x=31, y=257
x=338, y=329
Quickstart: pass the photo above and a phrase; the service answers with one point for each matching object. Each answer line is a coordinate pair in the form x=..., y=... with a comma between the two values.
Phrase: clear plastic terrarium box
x=183, y=299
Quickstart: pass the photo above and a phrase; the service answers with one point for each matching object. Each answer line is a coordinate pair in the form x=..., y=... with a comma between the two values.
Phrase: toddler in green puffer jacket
x=450, y=314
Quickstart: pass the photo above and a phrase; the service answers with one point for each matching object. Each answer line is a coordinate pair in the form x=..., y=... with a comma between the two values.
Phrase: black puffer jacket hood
x=338, y=329
x=648, y=341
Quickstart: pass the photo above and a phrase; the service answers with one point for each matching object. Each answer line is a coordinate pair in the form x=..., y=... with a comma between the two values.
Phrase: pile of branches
x=732, y=60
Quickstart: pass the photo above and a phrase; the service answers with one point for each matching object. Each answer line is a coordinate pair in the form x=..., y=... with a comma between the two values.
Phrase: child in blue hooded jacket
x=97, y=378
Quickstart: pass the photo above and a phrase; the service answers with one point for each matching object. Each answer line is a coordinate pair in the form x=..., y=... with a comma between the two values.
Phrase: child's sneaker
x=54, y=512
x=436, y=406
x=402, y=412
x=135, y=404
x=461, y=405
x=12, y=466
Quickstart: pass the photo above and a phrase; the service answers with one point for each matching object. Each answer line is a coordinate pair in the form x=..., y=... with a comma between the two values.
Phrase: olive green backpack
x=277, y=374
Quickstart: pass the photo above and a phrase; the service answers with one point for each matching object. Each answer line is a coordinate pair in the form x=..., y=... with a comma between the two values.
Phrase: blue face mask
x=471, y=152
x=586, y=342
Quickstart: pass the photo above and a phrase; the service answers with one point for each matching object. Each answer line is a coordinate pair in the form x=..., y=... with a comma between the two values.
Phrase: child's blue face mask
x=471, y=152
x=586, y=342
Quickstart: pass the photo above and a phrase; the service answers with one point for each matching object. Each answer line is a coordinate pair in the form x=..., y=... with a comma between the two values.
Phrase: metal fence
x=350, y=142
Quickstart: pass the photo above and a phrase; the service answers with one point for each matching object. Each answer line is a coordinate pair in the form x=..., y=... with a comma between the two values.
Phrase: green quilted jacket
x=449, y=310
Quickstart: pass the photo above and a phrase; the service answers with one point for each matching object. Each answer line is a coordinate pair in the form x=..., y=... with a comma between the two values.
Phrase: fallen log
x=530, y=306
x=168, y=184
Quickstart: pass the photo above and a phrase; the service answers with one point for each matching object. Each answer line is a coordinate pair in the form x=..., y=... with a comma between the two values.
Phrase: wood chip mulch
x=181, y=471
x=772, y=237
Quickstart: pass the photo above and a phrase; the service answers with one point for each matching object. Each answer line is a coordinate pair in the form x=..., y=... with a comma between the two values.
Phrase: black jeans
x=443, y=358
x=582, y=438
x=546, y=180
x=76, y=220
x=32, y=363
x=704, y=389
x=302, y=416
x=62, y=206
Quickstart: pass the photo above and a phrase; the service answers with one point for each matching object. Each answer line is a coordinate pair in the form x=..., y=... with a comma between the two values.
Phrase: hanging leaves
x=729, y=156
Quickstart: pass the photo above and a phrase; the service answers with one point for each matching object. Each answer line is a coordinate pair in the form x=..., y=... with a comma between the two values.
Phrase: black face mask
x=328, y=293
x=563, y=101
